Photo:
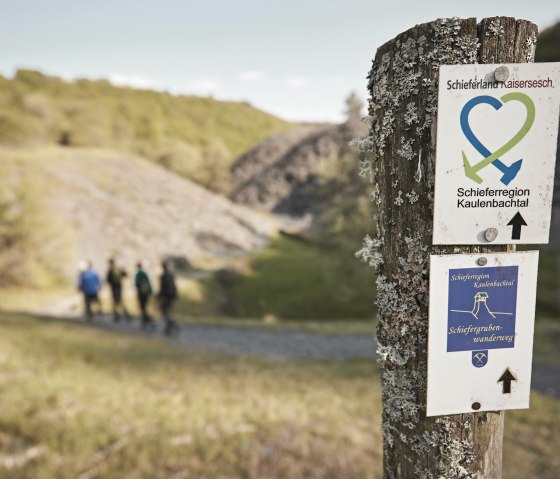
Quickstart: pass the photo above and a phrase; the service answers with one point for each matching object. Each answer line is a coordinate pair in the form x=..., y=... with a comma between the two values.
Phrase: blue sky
x=296, y=59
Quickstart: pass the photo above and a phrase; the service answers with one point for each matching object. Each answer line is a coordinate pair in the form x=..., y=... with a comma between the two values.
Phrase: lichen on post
x=403, y=86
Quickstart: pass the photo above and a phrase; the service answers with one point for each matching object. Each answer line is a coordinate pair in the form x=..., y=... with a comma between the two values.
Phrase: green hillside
x=195, y=137
x=548, y=46
x=307, y=281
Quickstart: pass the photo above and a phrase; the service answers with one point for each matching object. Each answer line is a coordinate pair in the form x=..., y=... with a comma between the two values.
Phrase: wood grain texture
x=402, y=108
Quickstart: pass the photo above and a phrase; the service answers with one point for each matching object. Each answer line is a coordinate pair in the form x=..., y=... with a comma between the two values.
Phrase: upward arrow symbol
x=517, y=222
x=506, y=380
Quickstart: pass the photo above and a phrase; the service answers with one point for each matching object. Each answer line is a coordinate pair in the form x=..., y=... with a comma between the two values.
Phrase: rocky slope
x=281, y=174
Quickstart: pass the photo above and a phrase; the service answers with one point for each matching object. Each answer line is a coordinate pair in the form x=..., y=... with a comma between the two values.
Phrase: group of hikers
x=89, y=283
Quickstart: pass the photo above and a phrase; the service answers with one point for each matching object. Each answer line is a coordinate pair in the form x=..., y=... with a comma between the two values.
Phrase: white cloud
x=134, y=81
x=296, y=81
x=203, y=86
x=251, y=75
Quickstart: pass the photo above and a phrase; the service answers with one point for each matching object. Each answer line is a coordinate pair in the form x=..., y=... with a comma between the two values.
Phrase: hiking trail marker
x=480, y=341
x=496, y=150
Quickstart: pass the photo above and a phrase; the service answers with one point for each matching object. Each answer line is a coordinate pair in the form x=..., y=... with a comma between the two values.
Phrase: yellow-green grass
x=34, y=242
x=293, y=279
x=88, y=403
x=79, y=402
x=30, y=299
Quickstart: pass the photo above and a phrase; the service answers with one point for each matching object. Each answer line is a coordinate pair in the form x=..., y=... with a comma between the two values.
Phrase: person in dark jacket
x=167, y=296
x=144, y=291
x=115, y=277
x=89, y=283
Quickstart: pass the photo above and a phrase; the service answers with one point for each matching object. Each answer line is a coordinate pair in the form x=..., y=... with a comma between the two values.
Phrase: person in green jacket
x=144, y=291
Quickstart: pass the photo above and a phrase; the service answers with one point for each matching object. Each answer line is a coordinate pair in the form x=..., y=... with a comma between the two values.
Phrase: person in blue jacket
x=89, y=283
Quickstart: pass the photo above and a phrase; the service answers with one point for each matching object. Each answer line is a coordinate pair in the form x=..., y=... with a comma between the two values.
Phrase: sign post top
x=496, y=151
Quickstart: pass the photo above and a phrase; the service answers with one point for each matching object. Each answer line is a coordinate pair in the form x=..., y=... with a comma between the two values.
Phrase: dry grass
x=84, y=403
x=105, y=405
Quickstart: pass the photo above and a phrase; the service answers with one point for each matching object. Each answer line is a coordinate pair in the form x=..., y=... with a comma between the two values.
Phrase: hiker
x=144, y=291
x=115, y=276
x=167, y=295
x=89, y=284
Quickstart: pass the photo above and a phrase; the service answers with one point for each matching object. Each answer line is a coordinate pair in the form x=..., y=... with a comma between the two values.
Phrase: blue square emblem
x=482, y=308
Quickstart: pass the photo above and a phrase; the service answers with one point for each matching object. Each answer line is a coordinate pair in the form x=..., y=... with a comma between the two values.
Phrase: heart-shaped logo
x=509, y=172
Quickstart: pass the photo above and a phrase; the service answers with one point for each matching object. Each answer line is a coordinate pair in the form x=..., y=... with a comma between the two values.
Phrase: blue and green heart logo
x=489, y=158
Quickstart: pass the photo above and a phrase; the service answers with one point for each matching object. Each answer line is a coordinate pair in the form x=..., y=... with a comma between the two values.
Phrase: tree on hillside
x=354, y=106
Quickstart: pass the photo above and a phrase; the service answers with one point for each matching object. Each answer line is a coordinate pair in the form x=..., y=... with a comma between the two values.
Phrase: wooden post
x=403, y=85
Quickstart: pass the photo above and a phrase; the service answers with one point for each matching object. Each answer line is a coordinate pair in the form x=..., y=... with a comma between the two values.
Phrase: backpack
x=144, y=286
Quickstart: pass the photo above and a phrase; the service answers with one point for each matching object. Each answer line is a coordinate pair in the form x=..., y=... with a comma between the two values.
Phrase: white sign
x=481, y=332
x=496, y=150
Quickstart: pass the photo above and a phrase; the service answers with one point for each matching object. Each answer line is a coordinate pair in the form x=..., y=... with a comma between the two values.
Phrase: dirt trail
x=273, y=343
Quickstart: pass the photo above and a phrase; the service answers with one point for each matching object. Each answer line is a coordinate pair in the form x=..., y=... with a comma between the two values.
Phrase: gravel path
x=242, y=340
x=286, y=344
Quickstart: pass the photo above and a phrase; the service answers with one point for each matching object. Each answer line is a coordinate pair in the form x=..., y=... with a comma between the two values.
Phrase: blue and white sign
x=481, y=332
x=482, y=304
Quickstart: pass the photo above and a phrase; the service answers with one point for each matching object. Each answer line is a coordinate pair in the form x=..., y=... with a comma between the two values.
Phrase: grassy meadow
x=290, y=279
x=80, y=402
x=295, y=279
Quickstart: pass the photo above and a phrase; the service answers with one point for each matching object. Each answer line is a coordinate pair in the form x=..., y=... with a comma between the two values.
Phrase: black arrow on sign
x=517, y=222
x=506, y=380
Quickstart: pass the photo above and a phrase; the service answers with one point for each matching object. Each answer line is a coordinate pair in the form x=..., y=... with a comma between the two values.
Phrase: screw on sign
x=501, y=74
x=490, y=234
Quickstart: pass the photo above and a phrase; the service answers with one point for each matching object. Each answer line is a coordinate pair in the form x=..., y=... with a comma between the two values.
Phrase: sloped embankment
x=105, y=203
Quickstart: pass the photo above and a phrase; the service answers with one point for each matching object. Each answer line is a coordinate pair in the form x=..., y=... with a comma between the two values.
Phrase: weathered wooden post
x=403, y=87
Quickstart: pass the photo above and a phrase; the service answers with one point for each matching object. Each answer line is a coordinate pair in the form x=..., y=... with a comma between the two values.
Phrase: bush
x=33, y=249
